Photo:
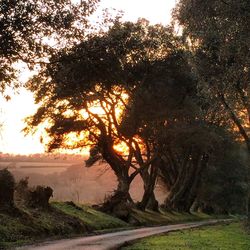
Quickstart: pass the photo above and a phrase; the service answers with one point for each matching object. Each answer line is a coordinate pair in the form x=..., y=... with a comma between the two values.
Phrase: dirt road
x=114, y=240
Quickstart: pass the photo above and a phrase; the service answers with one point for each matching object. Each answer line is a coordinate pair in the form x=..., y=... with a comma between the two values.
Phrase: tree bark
x=184, y=192
x=148, y=199
x=121, y=197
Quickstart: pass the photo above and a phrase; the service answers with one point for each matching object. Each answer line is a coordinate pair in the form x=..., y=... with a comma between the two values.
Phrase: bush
x=7, y=187
x=22, y=192
x=39, y=197
x=36, y=197
x=117, y=205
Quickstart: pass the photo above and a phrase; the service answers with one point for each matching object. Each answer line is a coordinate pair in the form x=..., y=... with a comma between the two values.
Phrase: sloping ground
x=92, y=218
x=61, y=221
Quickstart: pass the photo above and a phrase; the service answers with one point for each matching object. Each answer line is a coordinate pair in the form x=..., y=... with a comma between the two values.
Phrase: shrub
x=39, y=197
x=22, y=192
x=36, y=197
x=7, y=187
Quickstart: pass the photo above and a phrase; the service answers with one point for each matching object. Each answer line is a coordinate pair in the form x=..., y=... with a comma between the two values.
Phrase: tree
x=186, y=152
x=165, y=99
x=219, y=33
x=32, y=30
x=224, y=183
x=92, y=84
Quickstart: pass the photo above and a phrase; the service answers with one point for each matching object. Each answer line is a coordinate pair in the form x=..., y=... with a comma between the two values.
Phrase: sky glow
x=13, y=112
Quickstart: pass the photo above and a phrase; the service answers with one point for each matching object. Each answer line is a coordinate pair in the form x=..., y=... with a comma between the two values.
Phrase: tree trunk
x=183, y=193
x=119, y=203
x=149, y=179
x=123, y=186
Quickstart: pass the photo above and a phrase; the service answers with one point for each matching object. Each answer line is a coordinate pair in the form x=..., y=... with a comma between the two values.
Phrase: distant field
x=33, y=164
x=36, y=167
x=74, y=181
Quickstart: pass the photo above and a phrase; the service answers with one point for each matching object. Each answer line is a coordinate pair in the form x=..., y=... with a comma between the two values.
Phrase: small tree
x=39, y=197
x=22, y=191
x=7, y=187
x=36, y=197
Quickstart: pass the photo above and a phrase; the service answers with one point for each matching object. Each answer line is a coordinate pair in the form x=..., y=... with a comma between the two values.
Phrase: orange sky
x=14, y=111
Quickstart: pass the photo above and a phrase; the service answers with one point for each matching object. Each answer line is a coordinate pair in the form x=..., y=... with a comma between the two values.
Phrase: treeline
x=42, y=158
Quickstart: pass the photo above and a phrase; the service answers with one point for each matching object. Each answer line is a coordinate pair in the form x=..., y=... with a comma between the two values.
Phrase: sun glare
x=121, y=148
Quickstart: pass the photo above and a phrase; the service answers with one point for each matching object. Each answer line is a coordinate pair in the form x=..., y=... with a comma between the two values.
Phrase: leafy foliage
x=30, y=29
x=219, y=35
x=224, y=186
x=131, y=73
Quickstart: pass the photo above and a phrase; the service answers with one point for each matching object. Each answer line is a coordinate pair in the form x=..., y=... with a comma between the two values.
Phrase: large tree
x=217, y=32
x=165, y=99
x=31, y=30
x=91, y=84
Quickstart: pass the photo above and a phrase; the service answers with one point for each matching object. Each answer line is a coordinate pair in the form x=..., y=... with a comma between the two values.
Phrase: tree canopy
x=108, y=89
x=219, y=33
x=31, y=30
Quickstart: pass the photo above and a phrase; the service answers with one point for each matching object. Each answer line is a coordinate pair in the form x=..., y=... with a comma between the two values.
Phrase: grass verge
x=92, y=218
x=219, y=237
x=164, y=218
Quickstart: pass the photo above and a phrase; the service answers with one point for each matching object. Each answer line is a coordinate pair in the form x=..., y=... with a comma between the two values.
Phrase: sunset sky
x=21, y=105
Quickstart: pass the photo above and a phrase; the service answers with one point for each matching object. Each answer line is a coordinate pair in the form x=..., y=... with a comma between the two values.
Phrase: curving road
x=114, y=240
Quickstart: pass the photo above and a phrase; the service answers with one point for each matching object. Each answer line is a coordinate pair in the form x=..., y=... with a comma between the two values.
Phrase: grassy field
x=220, y=237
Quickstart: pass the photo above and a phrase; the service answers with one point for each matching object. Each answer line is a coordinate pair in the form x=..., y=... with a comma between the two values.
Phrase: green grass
x=163, y=218
x=62, y=220
x=94, y=219
x=30, y=225
x=220, y=237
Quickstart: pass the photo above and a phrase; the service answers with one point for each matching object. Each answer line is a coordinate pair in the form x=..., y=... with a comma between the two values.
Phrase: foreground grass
x=94, y=219
x=62, y=220
x=220, y=237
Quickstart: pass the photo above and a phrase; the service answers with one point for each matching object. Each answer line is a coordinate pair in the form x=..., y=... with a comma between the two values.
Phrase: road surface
x=114, y=240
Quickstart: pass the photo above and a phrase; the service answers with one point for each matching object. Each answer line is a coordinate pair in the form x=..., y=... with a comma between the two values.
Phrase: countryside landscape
x=125, y=124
